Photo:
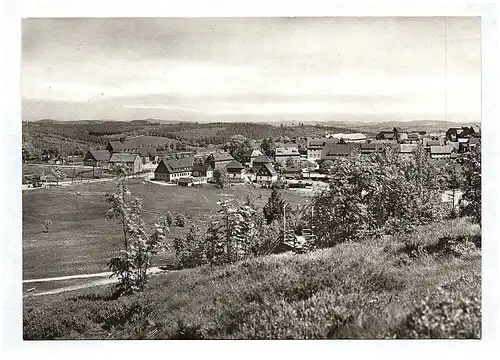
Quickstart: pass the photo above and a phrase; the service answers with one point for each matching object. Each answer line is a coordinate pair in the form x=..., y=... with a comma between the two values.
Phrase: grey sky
x=252, y=68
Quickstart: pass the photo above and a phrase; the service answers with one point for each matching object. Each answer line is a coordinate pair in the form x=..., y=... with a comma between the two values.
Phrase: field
x=82, y=241
x=424, y=285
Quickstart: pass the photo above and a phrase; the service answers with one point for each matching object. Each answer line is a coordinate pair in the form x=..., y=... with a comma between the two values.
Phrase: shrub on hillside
x=83, y=315
x=190, y=251
x=443, y=315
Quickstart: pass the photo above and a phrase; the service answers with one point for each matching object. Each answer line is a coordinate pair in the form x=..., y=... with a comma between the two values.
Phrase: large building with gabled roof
x=136, y=143
x=173, y=170
x=132, y=162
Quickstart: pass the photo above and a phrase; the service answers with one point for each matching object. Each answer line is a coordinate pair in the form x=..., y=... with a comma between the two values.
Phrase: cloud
x=275, y=65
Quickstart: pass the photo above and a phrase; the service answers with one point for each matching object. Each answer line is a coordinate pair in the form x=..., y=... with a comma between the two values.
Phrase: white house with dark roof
x=353, y=137
x=259, y=161
x=133, y=162
x=266, y=174
x=441, y=152
x=173, y=170
x=203, y=170
x=285, y=153
x=234, y=170
x=407, y=150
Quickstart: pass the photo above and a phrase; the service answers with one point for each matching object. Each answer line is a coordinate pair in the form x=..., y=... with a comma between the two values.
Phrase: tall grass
x=354, y=290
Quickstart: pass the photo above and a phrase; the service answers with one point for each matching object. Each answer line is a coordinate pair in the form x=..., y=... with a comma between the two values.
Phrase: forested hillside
x=67, y=138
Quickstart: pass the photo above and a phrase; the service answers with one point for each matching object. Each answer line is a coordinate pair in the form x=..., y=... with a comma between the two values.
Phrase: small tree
x=453, y=181
x=47, y=224
x=472, y=184
x=238, y=146
x=326, y=167
x=220, y=178
x=190, y=251
x=131, y=265
x=268, y=147
x=58, y=174
x=273, y=210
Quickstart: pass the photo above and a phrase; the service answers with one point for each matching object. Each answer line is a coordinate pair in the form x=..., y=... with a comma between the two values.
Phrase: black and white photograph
x=251, y=178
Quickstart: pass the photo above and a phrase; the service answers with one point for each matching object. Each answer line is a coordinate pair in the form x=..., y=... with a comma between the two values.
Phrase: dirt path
x=100, y=282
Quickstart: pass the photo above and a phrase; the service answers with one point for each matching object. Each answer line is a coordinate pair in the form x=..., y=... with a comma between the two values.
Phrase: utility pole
x=284, y=222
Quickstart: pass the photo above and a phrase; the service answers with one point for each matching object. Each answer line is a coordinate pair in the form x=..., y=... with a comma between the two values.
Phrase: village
x=238, y=178
x=287, y=163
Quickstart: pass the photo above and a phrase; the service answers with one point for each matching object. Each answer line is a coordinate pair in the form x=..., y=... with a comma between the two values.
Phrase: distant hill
x=414, y=125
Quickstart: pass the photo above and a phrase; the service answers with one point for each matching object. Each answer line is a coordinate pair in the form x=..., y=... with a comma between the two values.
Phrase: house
x=219, y=160
x=203, y=170
x=399, y=134
x=97, y=158
x=386, y=135
x=260, y=160
x=133, y=162
x=250, y=157
x=285, y=153
x=315, y=146
x=292, y=172
x=383, y=141
x=135, y=143
x=234, y=170
x=173, y=170
x=466, y=146
x=148, y=154
x=352, y=138
x=460, y=134
x=333, y=151
x=441, y=152
x=427, y=143
x=414, y=138
x=372, y=148
x=407, y=150
x=266, y=175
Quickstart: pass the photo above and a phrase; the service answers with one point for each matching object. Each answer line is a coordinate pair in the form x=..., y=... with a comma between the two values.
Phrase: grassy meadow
x=423, y=285
x=80, y=240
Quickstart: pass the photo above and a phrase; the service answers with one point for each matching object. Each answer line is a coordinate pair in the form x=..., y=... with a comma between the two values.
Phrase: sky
x=252, y=69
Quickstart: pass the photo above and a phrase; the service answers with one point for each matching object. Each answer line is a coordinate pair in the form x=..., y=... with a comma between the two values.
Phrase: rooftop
x=100, y=155
x=262, y=159
x=234, y=165
x=266, y=169
x=287, y=151
x=441, y=149
x=123, y=157
x=220, y=156
x=339, y=150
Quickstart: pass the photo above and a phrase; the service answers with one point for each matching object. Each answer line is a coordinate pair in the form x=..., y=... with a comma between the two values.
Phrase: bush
x=84, y=315
x=190, y=251
x=443, y=315
x=180, y=220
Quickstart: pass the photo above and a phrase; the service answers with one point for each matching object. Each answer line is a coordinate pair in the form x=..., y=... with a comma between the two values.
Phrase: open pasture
x=80, y=239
